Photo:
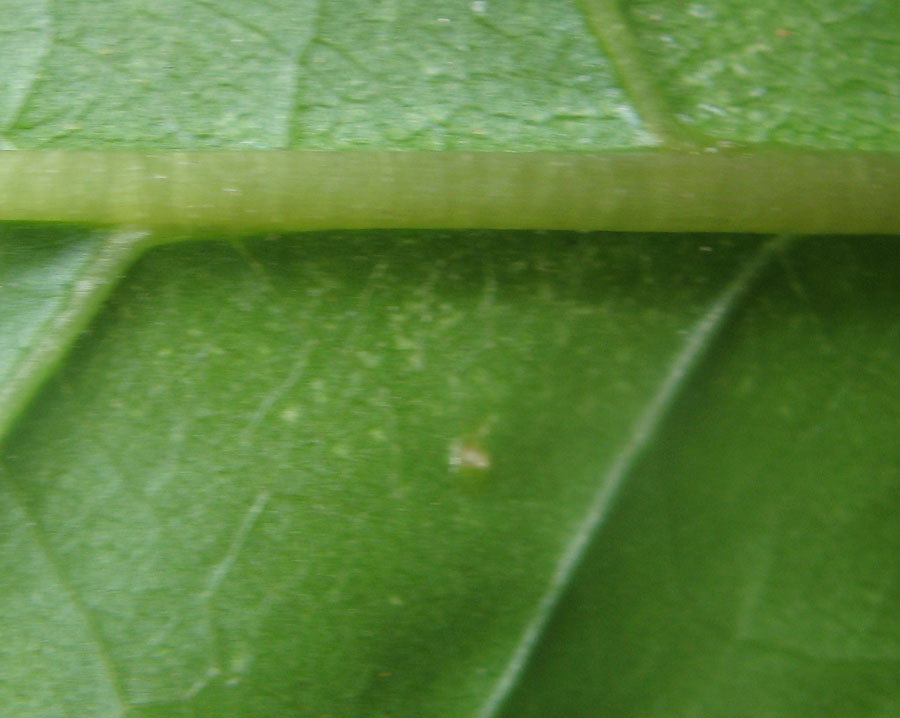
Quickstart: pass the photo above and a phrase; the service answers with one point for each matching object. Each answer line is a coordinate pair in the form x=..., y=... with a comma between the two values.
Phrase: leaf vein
x=647, y=425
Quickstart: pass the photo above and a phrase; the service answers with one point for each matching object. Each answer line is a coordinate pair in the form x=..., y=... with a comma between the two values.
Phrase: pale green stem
x=763, y=190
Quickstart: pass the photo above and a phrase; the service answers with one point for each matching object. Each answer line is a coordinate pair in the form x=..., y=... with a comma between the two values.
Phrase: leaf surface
x=452, y=474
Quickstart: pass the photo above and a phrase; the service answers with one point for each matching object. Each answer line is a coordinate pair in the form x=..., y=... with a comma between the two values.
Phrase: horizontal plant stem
x=759, y=190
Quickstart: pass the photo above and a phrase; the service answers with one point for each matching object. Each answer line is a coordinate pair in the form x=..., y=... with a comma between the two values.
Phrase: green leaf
x=295, y=513
x=750, y=568
x=406, y=473
x=51, y=284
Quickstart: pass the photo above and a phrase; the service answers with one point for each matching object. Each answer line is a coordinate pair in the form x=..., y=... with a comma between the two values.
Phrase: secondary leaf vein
x=645, y=428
